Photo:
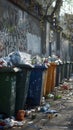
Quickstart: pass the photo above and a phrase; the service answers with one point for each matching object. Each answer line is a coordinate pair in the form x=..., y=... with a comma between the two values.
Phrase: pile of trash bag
x=15, y=58
x=22, y=58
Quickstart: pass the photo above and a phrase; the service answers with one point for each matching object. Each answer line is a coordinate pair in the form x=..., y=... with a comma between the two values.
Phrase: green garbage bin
x=72, y=67
x=68, y=70
x=65, y=71
x=62, y=73
x=22, y=84
x=7, y=91
x=58, y=74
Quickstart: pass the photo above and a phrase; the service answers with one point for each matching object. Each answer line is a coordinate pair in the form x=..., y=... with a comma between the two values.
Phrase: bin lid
x=44, y=67
x=25, y=66
x=30, y=67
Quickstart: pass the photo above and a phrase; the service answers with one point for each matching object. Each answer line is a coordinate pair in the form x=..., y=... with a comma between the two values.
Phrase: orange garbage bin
x=50, y=79
x=53, y=81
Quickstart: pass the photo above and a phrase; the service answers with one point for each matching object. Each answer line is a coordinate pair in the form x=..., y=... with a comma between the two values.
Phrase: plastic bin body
x=22, y=84
x=53, y=81
x=35, y=90
x=57, y=75
x=45, y=80
x=61, y=73
x=7, y=91
x=70, y=69
x=60, y=78
x=51, y=78
x=63, y=67
x=65, y=71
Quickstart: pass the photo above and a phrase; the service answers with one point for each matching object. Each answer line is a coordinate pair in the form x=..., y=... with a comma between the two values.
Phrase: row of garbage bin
x=63, y=71
x=29, y=84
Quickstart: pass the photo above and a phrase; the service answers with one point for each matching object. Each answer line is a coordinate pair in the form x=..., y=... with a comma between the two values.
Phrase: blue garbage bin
x=35, y=90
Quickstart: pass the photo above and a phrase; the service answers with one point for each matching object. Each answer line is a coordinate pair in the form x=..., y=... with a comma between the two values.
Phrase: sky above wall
x=67, y=7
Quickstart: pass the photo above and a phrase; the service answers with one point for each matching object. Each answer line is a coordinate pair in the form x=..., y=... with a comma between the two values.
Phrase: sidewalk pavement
x=64, y=119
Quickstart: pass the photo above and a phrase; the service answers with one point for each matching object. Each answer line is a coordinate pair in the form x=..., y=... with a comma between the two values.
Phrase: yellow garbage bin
x=50, y=78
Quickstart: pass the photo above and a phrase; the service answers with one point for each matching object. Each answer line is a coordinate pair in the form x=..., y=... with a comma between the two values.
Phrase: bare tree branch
x=57, y=6
x=48, y=5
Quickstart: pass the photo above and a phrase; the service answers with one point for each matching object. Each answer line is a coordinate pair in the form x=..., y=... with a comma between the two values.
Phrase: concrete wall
x=18, y=30
x=65, y=50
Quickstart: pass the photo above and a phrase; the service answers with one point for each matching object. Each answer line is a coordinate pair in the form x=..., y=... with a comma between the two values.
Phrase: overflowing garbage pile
x=15, y=58
x=18, y=57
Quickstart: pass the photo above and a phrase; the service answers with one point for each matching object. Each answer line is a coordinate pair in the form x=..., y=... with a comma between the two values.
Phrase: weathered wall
x=47, y=38
x=65, y=50
x=18, y=30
